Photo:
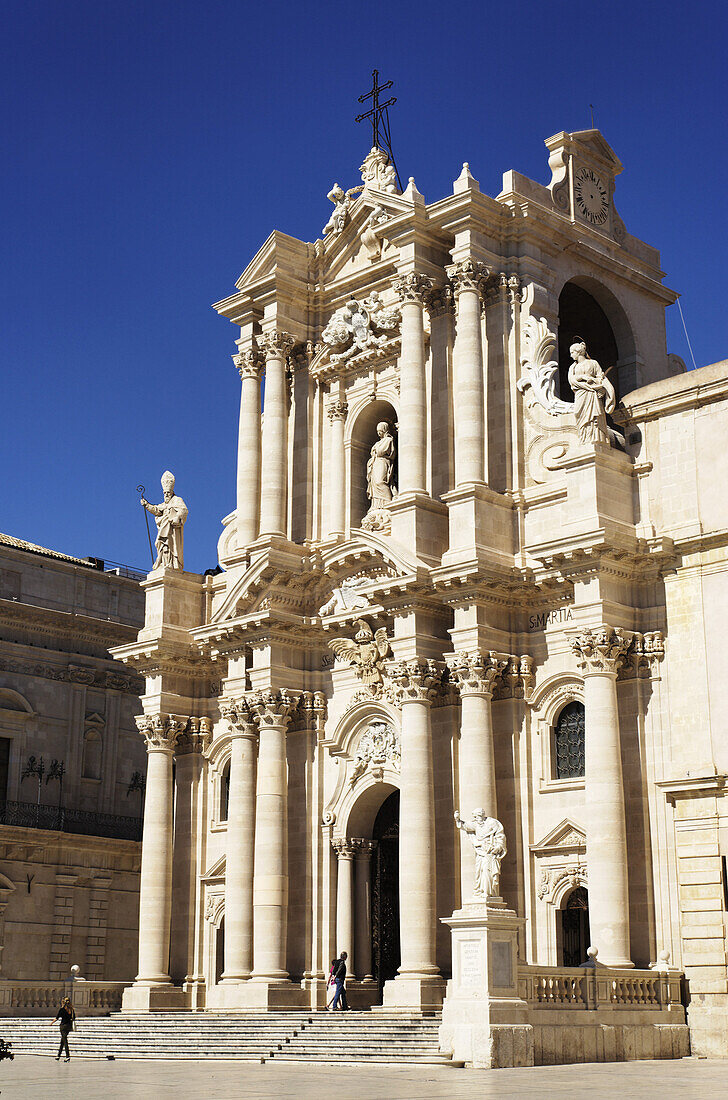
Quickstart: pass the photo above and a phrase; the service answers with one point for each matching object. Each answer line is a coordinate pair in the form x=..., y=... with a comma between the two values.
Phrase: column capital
x=467, y=275
x=412, y=287
x=363, y=848
x=415, y=681
x=249, y=364
x=600, y=650
x=312, y=710
x=160, y=731
x=439, y=300
x=195, y=738
x=345, y=849
x=475, y=673
x=337, y=410
x=273, y=708
x=237, y=714
x=276, y=344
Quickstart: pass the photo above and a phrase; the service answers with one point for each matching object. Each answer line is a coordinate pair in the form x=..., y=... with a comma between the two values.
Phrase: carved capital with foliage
x=337, y=410
x=273, y=708
x=476, y=673
x=195, y=738
x=249, y=364
x=600, y=650
x=276, y=345
x=412, y=287
x=415, y=681
x=467, y=275
x=161, y=731
x=343, y=848
x=238, y=715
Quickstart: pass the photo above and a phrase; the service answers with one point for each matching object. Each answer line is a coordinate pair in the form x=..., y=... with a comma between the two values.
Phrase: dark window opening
x=580, y=315
x=569, y=742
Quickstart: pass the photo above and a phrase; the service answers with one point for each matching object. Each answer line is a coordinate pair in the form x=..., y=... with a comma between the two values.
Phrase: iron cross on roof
x=375, y=114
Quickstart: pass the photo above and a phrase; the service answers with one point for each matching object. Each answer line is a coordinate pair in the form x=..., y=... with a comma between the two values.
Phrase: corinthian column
x=600, y=653
x=189, y=779
x=475, y=675
x=249, y=366
x=270, y=882
x=467, y=279
x=155, y=883
x=345, y=901
x=412, y=290
x=337, y=411
x=415, y=684
x=274, y=479
x=240, y=840
x=363, y=907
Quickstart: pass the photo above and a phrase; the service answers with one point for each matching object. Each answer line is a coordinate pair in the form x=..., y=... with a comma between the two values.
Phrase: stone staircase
x=258, y=1037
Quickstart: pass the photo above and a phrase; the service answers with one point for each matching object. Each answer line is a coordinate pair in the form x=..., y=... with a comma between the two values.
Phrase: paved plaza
x=42, y=1077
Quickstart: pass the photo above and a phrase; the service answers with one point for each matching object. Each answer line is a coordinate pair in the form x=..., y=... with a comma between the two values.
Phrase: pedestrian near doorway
x=338, y=973
x=67, y=1017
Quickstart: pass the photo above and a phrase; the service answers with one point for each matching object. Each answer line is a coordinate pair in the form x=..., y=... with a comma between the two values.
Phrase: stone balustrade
x=588, y=988
x=38, y=998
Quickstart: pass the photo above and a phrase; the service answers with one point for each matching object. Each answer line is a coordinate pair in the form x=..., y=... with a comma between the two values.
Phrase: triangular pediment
x=278, y=248
x=217, y=871
x=567, y=836
x=594, y=141
x=361, y=244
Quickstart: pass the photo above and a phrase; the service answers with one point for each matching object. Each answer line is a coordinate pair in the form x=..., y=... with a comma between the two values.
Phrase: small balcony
x=29, y=815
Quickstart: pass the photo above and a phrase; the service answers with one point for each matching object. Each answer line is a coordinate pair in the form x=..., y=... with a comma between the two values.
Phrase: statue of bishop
x=170, y=517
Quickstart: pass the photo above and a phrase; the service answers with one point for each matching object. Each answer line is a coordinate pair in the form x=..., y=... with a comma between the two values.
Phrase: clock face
x=591, y=196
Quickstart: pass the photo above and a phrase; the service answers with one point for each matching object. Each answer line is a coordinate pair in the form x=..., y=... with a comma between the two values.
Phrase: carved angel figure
x=489, y=840
x=540, y=367
x=366, y=653
x=343, y=201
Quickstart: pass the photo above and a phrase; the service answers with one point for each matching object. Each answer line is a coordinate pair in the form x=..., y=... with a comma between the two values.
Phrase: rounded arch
x=353, y=721
x=15, y=702
x=360, y=435
x=550, y=697
x=590, y=310
x=361, y=804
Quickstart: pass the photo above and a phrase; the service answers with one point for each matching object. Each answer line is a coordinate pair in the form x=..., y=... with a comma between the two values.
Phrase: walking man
x=66, y=1015
x=338, y=973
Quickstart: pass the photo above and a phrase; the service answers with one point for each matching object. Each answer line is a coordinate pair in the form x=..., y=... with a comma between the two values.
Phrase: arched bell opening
x=572, y=928
x=363, y=437
x=587, y=310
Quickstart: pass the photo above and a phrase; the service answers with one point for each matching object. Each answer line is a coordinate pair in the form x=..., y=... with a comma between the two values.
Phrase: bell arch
x=589, y=310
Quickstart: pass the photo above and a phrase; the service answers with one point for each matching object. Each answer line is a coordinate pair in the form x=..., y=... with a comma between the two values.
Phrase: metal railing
x=30, y=815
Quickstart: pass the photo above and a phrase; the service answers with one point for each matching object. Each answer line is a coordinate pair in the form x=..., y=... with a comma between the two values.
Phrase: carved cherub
x=366, y=653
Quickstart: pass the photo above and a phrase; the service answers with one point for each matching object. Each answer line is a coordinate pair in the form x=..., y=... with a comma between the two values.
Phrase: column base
x=423, y=994
x=154, y=998
x=259, y=995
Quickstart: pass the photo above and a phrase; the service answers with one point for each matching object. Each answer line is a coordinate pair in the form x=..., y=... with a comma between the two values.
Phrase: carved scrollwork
x=378, y=747
x=467, y=275
x=412, y=287
x=358, y=326
x=276, y=345
x=337, y=410
x=272, y=708
x=249, y=364
x=476, y=673
x=539, y=367
x=415, y=681
x=600, y=650
x=161, y=731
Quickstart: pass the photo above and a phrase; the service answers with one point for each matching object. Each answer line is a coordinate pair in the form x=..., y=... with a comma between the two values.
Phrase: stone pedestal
x=484, y=1021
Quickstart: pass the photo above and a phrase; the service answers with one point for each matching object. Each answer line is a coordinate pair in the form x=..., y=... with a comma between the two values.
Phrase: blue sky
x=150, y=147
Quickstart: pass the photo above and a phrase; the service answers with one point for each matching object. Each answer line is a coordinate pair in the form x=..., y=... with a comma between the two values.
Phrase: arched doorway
x=574, y=918
x=385, y=892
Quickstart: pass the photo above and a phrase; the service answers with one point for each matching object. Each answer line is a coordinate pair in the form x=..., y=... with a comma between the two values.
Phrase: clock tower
x=584, y=167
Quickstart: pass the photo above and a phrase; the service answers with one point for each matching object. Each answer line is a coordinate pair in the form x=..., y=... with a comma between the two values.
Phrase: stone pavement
x=36, y=1077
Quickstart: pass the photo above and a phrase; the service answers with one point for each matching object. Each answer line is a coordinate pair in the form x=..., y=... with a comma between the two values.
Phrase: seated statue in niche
x=594, y=396
x=380, y=473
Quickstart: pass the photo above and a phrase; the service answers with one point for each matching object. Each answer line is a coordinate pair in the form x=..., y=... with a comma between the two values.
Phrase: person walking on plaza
x=338, y=973
x=67, y=1016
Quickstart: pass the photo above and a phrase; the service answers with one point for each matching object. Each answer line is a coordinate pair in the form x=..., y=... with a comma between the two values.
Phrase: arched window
x=569, y=742
x=581, y=315
x=225, y=792
x=92, y=748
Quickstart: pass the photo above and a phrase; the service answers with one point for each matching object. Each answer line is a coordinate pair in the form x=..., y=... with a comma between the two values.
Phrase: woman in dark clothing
x=66, y=1015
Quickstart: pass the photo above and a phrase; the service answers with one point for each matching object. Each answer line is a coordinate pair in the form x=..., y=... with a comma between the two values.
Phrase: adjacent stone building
x=69, y=827
x=477, y=560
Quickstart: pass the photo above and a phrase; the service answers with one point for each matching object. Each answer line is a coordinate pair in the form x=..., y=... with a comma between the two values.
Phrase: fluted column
x=345, y=901
x=600, y=652
x=249, y=365
x=416, y=683
x=188, y=775
x=155, y=883
x=363, y=907
x=475, y=675
x=239, y=853
x=274, y=477
x=412, y=290
x=336, y=411
x=270, y=882
x=467, y=279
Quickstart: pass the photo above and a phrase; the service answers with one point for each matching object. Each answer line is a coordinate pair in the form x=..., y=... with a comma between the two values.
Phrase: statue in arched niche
x=380, y=474
x=594, y=396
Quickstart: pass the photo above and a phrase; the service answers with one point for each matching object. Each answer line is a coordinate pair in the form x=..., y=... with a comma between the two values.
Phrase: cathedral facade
x=474, y=573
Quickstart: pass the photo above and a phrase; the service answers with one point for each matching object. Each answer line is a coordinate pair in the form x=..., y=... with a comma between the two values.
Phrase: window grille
x=569, y=742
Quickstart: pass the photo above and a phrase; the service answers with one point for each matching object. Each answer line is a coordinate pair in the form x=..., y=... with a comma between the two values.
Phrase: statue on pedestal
x=489, y=840
x=594, y=396
x=170, y=517
x=380, y=472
